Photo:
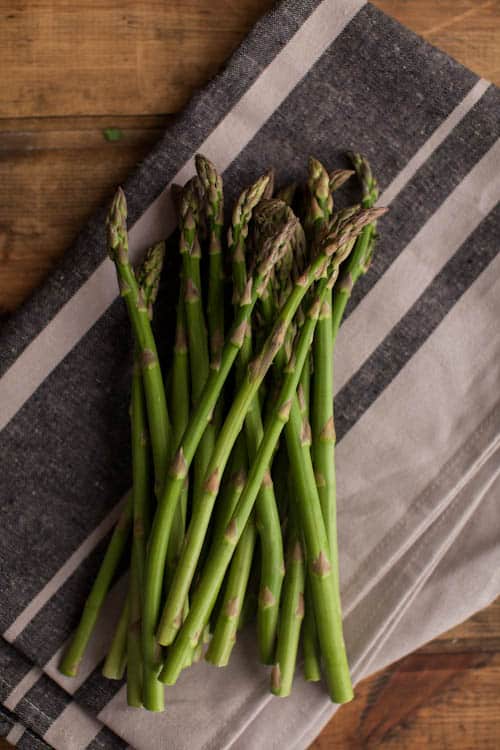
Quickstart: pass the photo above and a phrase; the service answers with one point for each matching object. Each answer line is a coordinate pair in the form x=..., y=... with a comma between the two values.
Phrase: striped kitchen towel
x=417, y=372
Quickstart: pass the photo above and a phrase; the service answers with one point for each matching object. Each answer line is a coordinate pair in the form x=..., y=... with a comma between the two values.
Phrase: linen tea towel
x=417, y=386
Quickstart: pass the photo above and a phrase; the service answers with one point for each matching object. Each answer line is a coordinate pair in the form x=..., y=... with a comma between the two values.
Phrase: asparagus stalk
x=359, y=260
x=74, y=653
x=232, y=488
x=148, y=278
x=124, y=645
x=323, y=424
x=310, y=645
x=137, y=306
x=323, y=431
x=160, y=532
x=291, y=616
x=116, y=660
x=224, y=637
x=141, y=514
x=214, y=206
x=224, y=546
x=179, y=409
x=321, y=574
x=199, y=360
x=238, y=232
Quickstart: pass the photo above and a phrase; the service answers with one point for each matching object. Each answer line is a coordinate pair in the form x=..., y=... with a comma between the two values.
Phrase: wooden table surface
x=71, y=70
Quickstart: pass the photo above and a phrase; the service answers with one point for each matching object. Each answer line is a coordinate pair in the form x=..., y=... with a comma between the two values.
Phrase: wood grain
x=57, y=171
x=114, y=57
x=443, y=695
x=71, y=70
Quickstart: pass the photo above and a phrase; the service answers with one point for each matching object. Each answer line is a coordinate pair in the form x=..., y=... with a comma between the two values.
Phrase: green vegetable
x=241, y=459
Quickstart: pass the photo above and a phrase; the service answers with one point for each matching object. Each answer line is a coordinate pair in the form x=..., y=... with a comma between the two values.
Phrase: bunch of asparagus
x=232, y=509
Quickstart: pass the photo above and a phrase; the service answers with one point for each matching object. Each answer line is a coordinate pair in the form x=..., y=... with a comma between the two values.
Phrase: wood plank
x=96, y=58
x=480, y=633
x=63, y=58
x=423, y=701
x=408, y=703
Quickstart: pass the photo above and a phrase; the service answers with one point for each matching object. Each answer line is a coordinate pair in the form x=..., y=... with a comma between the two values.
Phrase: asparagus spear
x=322, y=576
x=225, y=632
x=291, y=616
x=310, y=644
x=148, y=278
x=159, y=424
x=179, y=400
x=269, y=531
x=141, y=514
x=214, y=206
x=179, y=405
x=116, y=660
x=323, y=431
x=224, y=636
x=359, y=260
x=160, y=532
x=199, y=361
